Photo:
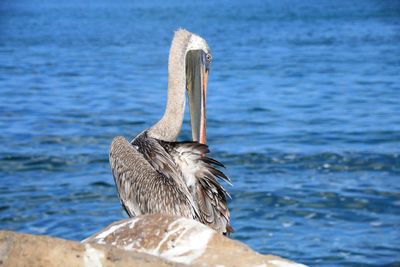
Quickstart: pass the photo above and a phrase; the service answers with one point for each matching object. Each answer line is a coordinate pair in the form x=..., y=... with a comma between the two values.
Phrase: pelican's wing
x=163, y=162
x=200, y=174
x=142, y=189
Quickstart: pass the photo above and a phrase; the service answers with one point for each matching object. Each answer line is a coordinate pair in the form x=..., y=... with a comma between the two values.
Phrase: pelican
x=156, y=174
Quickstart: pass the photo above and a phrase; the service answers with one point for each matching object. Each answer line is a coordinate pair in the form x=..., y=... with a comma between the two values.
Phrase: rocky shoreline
x=150, y=240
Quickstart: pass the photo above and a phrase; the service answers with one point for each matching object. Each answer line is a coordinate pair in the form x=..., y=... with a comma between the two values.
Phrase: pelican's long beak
x=196, y=81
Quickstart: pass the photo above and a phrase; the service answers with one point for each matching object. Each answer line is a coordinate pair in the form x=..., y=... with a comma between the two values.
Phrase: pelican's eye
x=209, y=57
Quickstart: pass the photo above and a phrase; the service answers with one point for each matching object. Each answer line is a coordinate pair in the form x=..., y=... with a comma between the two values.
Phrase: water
x=303, y=109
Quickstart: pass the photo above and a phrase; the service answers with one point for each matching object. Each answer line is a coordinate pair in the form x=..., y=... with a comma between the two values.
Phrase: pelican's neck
x=169, y=126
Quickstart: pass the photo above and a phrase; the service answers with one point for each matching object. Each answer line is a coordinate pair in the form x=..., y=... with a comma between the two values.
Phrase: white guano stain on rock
x=190, y=243
x=92, y=257
x=100, y=237
x=280, y=263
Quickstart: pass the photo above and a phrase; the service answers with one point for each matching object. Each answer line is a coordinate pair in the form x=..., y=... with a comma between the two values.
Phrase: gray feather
x=143, y=190
x=152, y=177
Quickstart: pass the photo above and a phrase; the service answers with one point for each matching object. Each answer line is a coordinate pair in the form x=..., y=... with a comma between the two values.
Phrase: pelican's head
x=198, y=61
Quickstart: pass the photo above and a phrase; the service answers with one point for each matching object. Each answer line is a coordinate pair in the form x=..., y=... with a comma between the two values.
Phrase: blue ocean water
x=303, y=109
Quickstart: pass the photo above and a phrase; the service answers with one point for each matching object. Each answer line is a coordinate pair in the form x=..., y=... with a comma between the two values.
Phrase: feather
x=201, y=174
x=178, y=178
x=141, y=189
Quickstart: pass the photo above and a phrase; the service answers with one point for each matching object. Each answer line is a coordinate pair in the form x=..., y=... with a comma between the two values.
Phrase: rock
x=148, y=241
x=33, y=251
x=181, y=240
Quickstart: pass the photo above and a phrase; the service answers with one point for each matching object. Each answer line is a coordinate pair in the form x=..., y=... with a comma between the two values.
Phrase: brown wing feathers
x=184, y=168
